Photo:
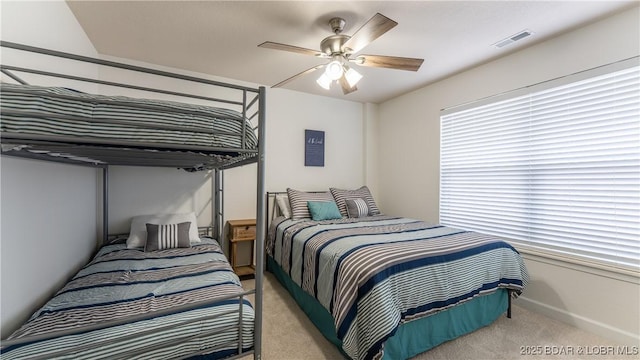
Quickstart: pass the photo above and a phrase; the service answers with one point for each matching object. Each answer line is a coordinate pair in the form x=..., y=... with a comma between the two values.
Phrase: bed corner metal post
x=217, y=207
x=260, y=228
x=105, y=204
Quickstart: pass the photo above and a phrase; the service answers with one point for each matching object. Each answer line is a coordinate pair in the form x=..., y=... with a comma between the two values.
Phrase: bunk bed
x=157, y=314
x=386, y=287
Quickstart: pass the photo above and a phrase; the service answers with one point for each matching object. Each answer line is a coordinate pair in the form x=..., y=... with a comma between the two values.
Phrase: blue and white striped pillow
x=363, y=192
x=357, y=208
x=167, y=236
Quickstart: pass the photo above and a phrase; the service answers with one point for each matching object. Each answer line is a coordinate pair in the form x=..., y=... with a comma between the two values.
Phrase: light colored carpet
x=289, y=335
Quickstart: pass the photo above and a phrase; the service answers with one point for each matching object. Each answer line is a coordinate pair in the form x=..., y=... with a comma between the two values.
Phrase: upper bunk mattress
x=54, y=111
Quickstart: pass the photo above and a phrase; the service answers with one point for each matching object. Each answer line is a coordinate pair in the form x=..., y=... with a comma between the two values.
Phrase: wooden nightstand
x=241, y=231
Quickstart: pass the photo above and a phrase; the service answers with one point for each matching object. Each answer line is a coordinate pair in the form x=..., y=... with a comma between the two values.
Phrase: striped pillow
x=341, y=196
x=357, y=208
x=167, y=236
x=298, y=201
x=138, y=233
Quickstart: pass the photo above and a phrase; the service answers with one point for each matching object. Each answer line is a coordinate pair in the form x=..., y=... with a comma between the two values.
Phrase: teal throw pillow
x=323, y=210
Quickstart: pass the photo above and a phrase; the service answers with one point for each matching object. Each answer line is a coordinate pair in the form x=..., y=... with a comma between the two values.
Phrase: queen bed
x=165, y=292
x=388, y=287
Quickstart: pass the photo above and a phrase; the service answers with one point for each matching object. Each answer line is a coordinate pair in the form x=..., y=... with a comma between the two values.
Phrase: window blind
x=555, y=169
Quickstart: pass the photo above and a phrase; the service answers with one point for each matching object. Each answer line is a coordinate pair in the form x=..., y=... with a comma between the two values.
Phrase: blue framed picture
x=313, y=148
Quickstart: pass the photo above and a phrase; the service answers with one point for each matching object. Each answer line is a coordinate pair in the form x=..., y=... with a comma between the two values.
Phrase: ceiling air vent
x=513, y=38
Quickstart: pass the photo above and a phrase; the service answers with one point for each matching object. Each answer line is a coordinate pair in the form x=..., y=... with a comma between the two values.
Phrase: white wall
x=289, y=113
x=47, y=24
x=371, y=148
x=47, y=231
x=409, y=165
x=48, y=211
x=151, y=190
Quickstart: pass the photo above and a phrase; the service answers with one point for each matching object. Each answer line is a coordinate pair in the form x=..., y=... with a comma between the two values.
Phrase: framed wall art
x=313, y=148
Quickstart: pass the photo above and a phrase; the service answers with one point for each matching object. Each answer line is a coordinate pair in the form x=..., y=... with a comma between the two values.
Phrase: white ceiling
x=221, y=37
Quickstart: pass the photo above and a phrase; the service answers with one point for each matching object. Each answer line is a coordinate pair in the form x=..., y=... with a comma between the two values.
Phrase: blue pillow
x=323, y=210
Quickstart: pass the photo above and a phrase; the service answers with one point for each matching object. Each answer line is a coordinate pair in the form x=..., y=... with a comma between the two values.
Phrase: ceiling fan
x=341, y=49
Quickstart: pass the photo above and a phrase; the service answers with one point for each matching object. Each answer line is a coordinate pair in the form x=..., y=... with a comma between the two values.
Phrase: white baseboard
x=581, y=322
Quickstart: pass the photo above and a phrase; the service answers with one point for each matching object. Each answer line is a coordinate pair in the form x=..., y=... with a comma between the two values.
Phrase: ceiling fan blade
x=346, y=88
x=391, y=62
x=291, y=48
x=371, y=30
x=308, y=71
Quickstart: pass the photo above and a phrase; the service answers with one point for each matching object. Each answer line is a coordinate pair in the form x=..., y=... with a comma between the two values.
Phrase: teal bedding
x=414, y=337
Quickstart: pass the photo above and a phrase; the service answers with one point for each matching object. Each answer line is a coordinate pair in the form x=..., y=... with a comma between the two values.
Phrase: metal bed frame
x=116, y=152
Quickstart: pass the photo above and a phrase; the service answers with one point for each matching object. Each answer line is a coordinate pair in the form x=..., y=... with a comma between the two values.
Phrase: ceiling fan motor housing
x=332, y=45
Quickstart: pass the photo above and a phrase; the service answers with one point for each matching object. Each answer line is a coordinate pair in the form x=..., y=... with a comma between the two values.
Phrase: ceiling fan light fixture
x=324, y=81
x=334, y=70
x=352, y=76
x=340, y=49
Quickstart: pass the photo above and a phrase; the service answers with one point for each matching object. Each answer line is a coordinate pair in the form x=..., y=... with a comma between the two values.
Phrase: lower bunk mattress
x=389, y=287
x=199, y=299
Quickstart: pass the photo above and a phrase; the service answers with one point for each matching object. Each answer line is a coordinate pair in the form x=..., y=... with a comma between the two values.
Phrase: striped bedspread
x=375, y=273
x=58, y=111
x=121, y=282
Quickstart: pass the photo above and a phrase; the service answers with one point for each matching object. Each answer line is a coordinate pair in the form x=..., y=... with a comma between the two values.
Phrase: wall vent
x=513, y=38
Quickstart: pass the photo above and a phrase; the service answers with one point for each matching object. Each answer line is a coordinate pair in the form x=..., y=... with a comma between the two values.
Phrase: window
x=553, y=167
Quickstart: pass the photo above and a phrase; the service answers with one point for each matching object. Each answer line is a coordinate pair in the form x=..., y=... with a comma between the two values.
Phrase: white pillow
x=283, y=204
x=138, y=233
